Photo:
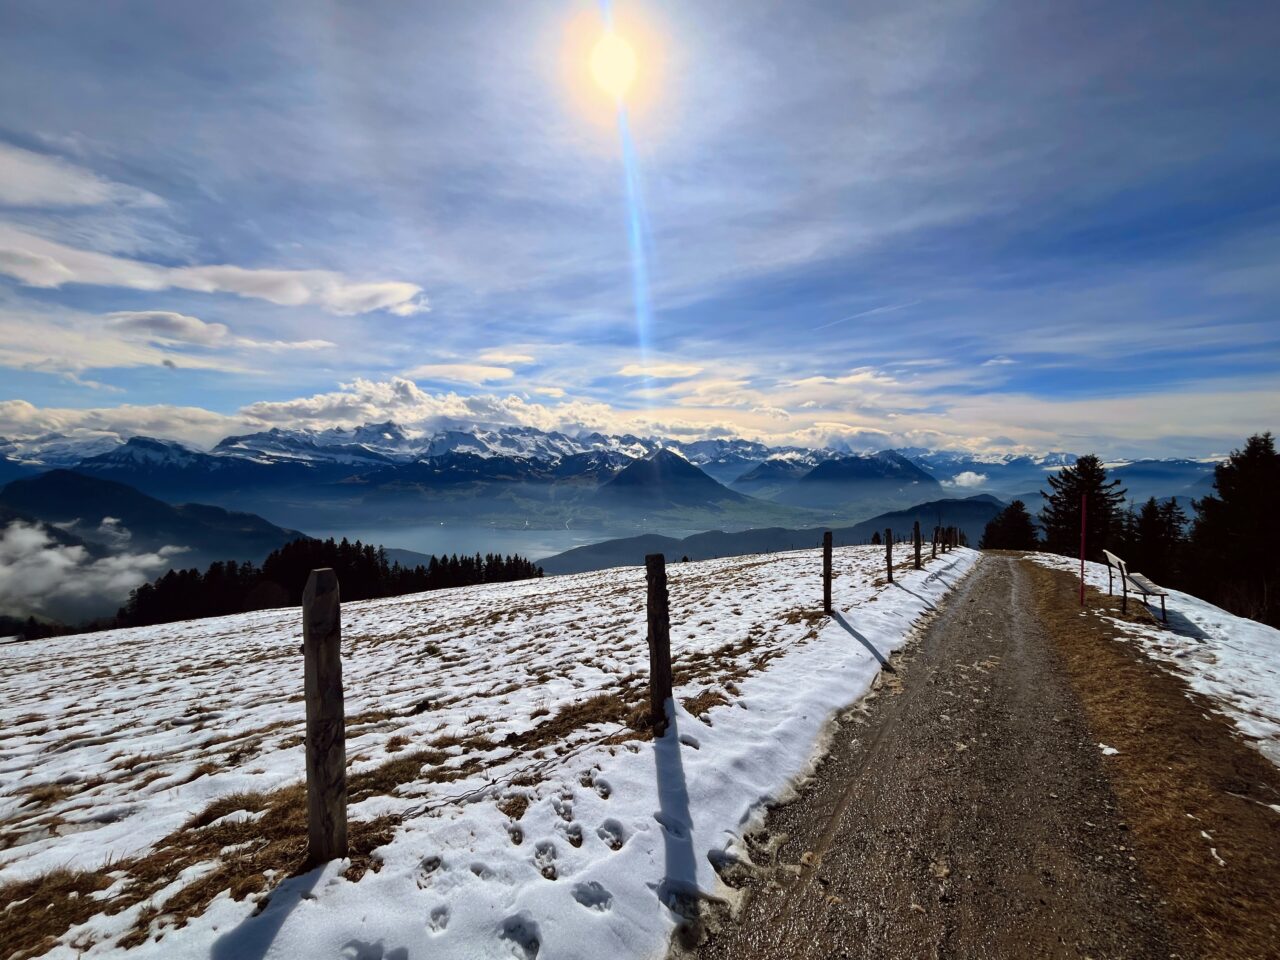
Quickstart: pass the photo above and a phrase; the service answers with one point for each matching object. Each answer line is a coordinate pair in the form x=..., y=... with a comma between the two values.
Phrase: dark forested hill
x=970, y=515
x=117, y=516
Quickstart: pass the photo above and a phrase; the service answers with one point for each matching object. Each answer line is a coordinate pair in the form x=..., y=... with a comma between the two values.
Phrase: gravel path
x=963, y=812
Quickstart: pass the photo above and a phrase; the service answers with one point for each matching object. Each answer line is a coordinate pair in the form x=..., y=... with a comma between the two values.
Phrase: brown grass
x=626, y=706
x=704, y=701
x=384, y=778
x=513, y=805
x=275, y=845
x=43, y=908
x=206, y=769
x=1182, y=769
x=44, y=795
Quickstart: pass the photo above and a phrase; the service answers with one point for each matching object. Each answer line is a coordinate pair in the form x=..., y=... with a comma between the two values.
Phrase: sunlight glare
x=613, y=65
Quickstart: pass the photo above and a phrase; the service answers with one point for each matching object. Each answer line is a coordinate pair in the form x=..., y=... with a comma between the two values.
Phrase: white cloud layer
x=966, y=479
x=29, y=179
x=40, y=576
x=168, y=327
x=40, y=262
x=473, y=373
x=1204, y=419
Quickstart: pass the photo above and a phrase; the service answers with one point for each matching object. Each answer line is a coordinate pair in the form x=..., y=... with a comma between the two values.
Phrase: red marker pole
x=1084, y=501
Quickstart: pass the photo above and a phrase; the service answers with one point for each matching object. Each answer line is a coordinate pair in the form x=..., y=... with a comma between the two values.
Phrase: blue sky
x=996, y=226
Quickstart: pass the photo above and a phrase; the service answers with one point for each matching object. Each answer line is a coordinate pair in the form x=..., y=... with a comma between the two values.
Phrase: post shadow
x=679, y=886
x=839, y=618
x=252, y=937
x=927, y=603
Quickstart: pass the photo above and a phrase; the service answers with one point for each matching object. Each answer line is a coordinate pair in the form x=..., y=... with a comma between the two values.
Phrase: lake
x=446, y=538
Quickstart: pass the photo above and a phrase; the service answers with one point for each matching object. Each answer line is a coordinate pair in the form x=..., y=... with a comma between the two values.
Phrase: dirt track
x=965, y=810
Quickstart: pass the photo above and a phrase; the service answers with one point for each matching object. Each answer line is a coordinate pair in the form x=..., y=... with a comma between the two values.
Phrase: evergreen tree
x=1157, y=542
x=875, y=539
x=363, y=572
x=1060, y=518
x=1010, y=529
x=1236, y=532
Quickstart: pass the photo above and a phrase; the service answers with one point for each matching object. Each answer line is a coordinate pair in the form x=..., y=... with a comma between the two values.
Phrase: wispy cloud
x=659, y=371
x=30, y=179
x=873, y=312
x=170, y=328
x=39, y=262
x=473, y=373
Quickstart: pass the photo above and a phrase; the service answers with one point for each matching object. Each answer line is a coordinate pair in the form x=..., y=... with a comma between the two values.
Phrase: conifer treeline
x=364, y=573
x=1229, y=552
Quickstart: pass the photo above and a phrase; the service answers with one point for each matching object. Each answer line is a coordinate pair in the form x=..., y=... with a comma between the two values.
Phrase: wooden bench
x=1136, y=581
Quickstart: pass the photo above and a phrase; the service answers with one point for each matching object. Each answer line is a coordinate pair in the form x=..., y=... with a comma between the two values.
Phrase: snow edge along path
x=1232, y=660
x=454, y=886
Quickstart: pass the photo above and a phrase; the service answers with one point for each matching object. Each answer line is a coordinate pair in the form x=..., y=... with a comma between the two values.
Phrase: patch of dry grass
x=1182, y=769
x=269, y=848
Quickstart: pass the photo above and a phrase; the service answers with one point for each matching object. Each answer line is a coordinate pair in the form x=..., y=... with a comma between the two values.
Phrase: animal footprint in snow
x=482, y=871
x=544, y=858
x=520, y=936
x=426, y=871
x=438, y=920
x=564, y=807
x=593, y=896
x=671, y=825
x=602, y=788
x=573, y=833
x=612, y=833
x=516, y=834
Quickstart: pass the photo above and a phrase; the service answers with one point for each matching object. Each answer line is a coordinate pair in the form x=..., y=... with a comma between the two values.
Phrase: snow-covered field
x=490, y=721
x=1233, y=661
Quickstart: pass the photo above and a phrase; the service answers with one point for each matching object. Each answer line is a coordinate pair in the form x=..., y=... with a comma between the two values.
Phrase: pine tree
x=1060, y=517
x=1235, y=536
x=1010, y=529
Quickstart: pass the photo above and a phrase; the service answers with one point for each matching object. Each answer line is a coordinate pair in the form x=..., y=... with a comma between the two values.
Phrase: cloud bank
x=39, y=576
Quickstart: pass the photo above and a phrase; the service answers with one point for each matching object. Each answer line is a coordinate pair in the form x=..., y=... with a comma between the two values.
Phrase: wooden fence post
x=935, y=543
x=826, y=572
x=888, y=551
x=655, y=568
x=915, y=535
x=326, y=723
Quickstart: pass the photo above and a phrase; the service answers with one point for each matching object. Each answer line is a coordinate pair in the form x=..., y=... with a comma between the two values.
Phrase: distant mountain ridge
x=390, y=468
x=665, y=477
x=970, y=514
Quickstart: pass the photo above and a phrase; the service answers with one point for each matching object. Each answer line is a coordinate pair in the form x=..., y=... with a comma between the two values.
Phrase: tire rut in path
x=963, y=811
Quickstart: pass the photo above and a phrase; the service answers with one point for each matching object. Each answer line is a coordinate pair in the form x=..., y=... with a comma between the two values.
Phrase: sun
x=613, y=65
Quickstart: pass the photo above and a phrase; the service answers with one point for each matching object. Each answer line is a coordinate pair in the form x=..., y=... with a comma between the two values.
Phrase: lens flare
x=613, y=65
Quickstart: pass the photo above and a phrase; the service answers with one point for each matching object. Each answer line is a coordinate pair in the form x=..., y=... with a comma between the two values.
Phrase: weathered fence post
x=826, y=572
x=326, y=723
x=888, y=551
x=915, y=534
x=655, y=568
x=935, y=543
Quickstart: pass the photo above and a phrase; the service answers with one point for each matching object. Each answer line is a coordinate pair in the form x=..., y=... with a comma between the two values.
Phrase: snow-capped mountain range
x=749, y=467
x=389, y=442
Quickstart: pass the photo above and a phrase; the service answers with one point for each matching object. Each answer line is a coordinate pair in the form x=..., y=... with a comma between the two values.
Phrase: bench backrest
x=1114, y=561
